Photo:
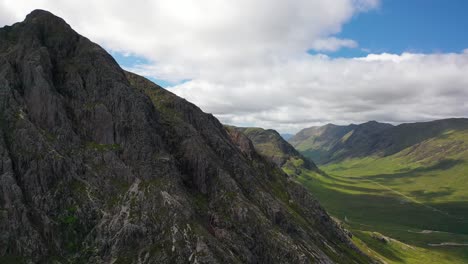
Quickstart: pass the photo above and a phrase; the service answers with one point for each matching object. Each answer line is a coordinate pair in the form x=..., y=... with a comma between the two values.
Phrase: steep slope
x=332, y=142
x=324, y=135
x=99, y=165
x=286, y=136
x=406, y=135
x=271, y=145
x=317, y=142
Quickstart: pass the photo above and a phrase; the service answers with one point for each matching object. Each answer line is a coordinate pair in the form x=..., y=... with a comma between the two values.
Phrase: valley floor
x=409, y=207
x=405, y=214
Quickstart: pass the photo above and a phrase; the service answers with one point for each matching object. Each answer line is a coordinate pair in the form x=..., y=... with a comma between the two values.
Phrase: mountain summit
x=99, y=165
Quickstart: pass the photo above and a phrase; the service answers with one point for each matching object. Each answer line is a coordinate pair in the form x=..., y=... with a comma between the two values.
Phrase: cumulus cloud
x=246, y=61
x=318, y=89
x=6, y=17
x=188, y=39
x=333, y=44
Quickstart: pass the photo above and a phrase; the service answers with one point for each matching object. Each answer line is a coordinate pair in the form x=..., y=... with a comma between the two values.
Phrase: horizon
x=350, y=124
x=297, y=65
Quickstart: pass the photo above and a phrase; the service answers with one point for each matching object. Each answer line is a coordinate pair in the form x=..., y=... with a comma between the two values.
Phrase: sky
x=286, y=64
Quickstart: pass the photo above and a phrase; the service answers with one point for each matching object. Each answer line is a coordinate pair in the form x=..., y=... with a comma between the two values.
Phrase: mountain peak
x=374, y=125
x=39, y=13
x=48, y=26
x=39, y=16
x=42, y=28
x=372, y=122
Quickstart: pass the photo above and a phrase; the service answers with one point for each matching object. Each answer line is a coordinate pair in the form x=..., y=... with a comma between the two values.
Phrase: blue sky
x=127, y=60
x=417, y=26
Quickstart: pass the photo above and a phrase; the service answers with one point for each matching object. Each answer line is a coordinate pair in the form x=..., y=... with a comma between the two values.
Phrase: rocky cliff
x=98, y=165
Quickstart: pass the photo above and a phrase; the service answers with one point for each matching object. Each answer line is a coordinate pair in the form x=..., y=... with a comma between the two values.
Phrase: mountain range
x=332, y=143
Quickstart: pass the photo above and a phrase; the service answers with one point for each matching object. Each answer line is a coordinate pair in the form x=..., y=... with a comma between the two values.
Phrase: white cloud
x=195, y=39
x=333, y=44
x=6, y=18
x=389, y=57
x=247, y=60
x=317, y=89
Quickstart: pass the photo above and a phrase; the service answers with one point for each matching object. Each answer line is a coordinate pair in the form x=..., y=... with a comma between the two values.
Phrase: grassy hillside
x=317, y=143
x=417, y=196
x=434, y=170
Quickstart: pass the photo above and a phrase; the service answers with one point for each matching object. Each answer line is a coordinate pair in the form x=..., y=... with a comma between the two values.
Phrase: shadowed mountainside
x=331, y=143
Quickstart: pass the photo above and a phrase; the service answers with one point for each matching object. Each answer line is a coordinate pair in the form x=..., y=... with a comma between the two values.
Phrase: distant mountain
x=331, y=143
x=270, y=144
x=286, y=136
x=99, y=165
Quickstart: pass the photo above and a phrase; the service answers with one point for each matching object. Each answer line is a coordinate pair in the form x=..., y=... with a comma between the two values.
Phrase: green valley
x=408, y=205
x=400, y=190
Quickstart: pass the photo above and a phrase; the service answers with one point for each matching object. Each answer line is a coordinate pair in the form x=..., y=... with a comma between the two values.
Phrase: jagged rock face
x=242, y=141
x=102, y=166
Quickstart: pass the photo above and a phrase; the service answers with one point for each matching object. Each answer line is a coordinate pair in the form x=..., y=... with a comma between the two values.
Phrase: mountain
x=99, y=165
x=317, y=142
x=331, y=143
x=271, y=145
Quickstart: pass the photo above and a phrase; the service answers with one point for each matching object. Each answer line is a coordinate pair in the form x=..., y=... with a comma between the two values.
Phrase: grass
x=266, y=142
x=402, y=197
x=394, y=251
x=434, y=171
x=363, y=209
